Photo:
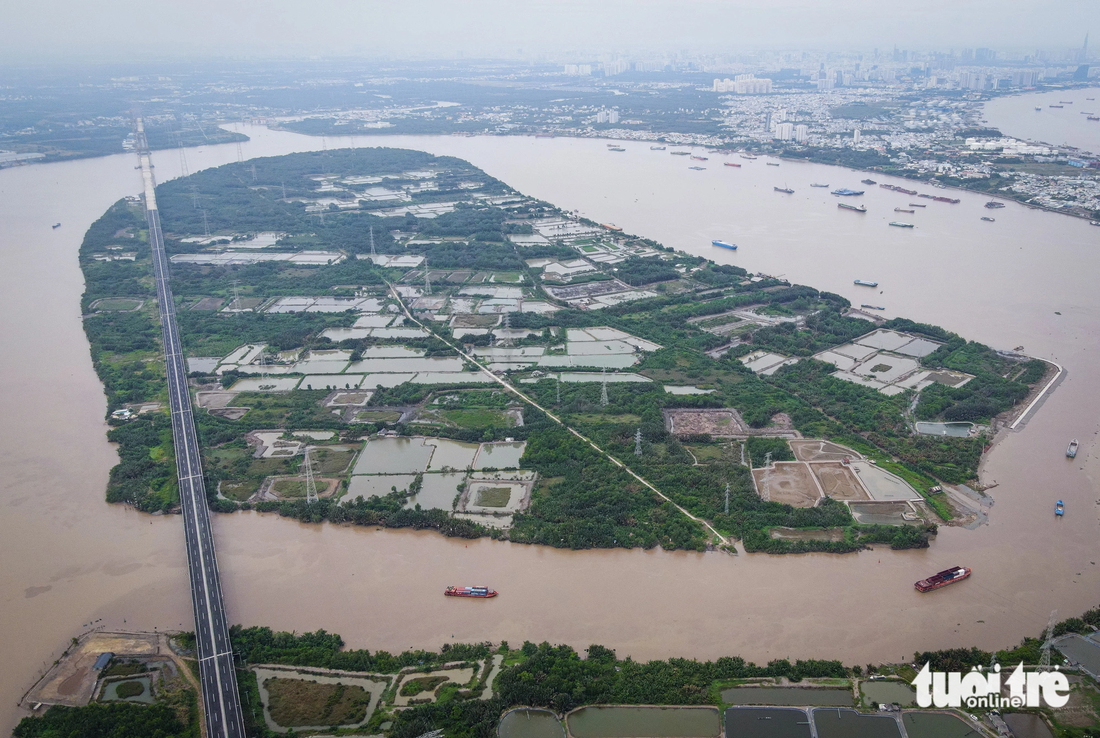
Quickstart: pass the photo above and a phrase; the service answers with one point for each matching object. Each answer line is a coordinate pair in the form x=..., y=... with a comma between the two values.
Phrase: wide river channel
x=71, y=560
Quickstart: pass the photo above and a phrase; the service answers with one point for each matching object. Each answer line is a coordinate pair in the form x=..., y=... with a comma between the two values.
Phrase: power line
x=311, y=485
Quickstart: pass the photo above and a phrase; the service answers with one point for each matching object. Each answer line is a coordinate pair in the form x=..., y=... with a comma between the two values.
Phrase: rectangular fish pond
x=530, y=723
x=767, y=722
x=644, y=722
x=788, y=696
x=851, y=724
x=889, y=692
x=938, y=725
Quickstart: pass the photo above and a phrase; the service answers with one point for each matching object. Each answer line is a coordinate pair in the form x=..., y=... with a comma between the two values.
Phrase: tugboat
x=479, y=592
x=987, y=219
x=56, y=226
x=943, y=578
x=1071, y=452
x=1059, y=508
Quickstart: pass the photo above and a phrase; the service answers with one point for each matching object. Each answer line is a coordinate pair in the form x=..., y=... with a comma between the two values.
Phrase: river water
x=1015, y=115
x=70, y=559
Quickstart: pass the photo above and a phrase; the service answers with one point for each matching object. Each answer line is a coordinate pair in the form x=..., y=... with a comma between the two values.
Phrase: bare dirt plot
x=838, y=482
x=343, y=398
x=72, y=680
x=723, y=422
x=801, y=534
x=815, y=450
x=208, y=303
x=788, y=482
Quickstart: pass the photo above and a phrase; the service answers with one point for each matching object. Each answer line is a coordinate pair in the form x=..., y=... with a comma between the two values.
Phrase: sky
x=60, y=31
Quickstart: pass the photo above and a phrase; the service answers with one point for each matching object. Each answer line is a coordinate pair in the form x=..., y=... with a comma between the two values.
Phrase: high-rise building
x=768, y=121
x=783, y=131
x=743, y=84
x=801, y=133
x=856, y=136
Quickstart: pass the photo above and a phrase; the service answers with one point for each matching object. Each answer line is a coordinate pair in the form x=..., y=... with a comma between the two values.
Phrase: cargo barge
x=897, y=224
x=943, y=578
x=732, y=164
x=786, y=190
x=724, y=245
x=845, y=192
x=866, y=283
x=895, y=188
x=479, y=592
x=846, y=206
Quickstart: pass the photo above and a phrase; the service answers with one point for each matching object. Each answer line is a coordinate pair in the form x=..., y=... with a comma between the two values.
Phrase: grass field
x=712, y=453
x=117, y=303
x=330, y=460
x=378, y=416
x=493, y=496
x=598, y=418
x=295, y=702
x=239, y=490
x=480, y=417
x=413, y=687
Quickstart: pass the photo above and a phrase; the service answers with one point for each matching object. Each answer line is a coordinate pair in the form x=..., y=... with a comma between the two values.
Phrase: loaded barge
x=943, y=578
x=479, y=592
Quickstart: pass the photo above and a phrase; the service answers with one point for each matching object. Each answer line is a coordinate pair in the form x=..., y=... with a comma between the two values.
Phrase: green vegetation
x=125, y=690
x=108, y=720
x=493, y=496
x=296, y=702
x=413, y=687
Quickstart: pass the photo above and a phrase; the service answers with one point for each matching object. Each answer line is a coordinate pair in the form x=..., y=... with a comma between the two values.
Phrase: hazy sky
x=114, y=30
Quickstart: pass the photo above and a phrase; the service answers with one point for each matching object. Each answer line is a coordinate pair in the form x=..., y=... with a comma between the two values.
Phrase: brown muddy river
x=70, y=559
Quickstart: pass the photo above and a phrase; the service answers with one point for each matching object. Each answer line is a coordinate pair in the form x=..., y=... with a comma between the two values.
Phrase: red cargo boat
x=482, y=592
x=942, y=579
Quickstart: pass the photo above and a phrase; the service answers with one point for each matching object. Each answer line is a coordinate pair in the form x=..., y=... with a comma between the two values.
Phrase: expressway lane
x=217, y=677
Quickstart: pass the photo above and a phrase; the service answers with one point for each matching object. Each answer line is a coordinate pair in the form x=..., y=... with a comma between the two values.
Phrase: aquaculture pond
x=787, y=696
x=526, y=723
x=644, y=722
x=767, y=722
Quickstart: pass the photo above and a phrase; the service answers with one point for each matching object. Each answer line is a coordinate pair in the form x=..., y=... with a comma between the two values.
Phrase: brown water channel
x=71, y=560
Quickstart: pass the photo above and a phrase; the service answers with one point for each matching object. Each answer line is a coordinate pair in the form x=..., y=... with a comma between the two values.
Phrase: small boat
x=1056, y=106
x=56, y=225
x=698, y=158
x=786, y=190
x=698, y=169
x=1059, y=508
x=724, y=245
x=872, y=307
x=917, y=205
x=771, y=164
x=656, y=148
x=943, y=578
x=1093, y=117
x=903, y=210
x=846, y=206
x=1066, y=102
x=731, y=164
x=1071, y=452
x=1038, y=110
x=896, y=224
x=481, y=592
x=987, y=219
x=680, y=153
x=815, y=184
x=865, y=283
x=1094, y=222
x=616, y=148
x=868, y=181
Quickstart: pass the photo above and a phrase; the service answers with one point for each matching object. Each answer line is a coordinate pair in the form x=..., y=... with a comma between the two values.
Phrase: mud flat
x=789, y=482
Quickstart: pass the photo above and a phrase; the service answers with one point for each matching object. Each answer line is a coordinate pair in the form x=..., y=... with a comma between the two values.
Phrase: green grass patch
x=289, y=487
x=599, y=418
x=477, y=418
x=711, y=452
x=378, y=416
x=494, y=496
x=117, y=303
x=922, y=483
x=239, y=491
x=126, y=690
x=419, y=685
x=296, y=702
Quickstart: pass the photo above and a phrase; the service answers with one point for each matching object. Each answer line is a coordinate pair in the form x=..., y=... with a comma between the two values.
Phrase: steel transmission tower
x=1044, y=660
x=603, y=390
x=638, y=442
x=311, y=485
x=427, y=279
x=727, y=498
x=372, y=251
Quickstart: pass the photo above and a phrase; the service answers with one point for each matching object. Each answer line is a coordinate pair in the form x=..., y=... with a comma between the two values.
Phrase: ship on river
x=943, y=578
x=845, y=192
x=724, y=245
x=846, y=206
x=786, y=190
x=478, y=592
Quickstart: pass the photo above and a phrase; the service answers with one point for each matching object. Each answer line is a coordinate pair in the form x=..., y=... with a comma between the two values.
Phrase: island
x=384, y=337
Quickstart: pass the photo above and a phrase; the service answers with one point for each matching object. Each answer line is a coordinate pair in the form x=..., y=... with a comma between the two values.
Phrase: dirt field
x=208, y=303
x=72, y=681
x=296, y=703
x=839, y=482
x=815, y=450
x=789, y=482
x=724, y=422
